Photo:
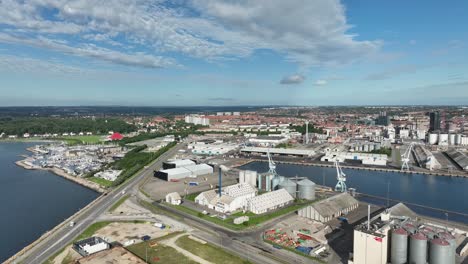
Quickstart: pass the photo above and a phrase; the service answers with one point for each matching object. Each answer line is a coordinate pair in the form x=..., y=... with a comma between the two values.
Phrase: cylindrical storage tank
x=452, y=139
x=453, y=245
x=377, y=146
x=371, y=147
x=439, y=251
x=443, y=139
x=306, y=189
x=418, y=249
x=429, y=232
x=275, y=183
x=433, y=138
x=289, y=186
x=410, y=228
x=399, y=246
x=366, y=148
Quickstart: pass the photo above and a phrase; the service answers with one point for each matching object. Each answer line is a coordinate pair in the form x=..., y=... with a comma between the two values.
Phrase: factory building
x=170, y=164
x=364, y=158
x=278, y=151
x=90, y=245
x=173, y=174
x=173, y=198
x=269, y=201
x=330, y=208
x=191, y=171
x=394, y=237
x=233, y=198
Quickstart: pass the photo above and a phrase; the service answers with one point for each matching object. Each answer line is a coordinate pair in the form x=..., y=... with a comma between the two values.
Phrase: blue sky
x=246, y=52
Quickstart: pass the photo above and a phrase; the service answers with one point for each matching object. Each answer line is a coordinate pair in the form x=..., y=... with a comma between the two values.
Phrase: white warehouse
x=365, y=158
x=233, y=198
x=269, y=201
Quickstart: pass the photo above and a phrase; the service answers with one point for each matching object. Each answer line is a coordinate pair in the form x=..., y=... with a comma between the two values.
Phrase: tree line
x=55, y=125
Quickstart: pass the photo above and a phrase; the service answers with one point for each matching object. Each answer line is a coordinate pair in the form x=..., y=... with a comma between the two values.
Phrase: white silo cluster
x=421, y=245
x=444, y=139
x=365, y=147
x=249, y=177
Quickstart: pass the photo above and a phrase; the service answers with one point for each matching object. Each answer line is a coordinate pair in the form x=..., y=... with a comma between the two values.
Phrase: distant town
x=210, y=185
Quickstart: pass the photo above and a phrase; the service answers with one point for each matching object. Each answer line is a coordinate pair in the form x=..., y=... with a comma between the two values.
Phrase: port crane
x=405, y=158
x=271, y=165
x=341, y=177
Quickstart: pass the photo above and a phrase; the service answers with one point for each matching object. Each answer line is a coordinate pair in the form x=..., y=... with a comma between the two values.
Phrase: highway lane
x=65, y=235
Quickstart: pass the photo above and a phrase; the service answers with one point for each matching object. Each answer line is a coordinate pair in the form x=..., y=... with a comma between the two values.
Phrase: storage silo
x=371, y=147
x=418, y=249
x=439, y=251
x=410, y=228
x=289, y=186
x=458, y=139
x=399, y=246
x=250, y=177
x=366, y=148
x=433, y=138
x=275, y=181
x=453, y=244
x=452, y=139
x=429, y=232
x=242, y=176
x=443, y=139
x=306, y=189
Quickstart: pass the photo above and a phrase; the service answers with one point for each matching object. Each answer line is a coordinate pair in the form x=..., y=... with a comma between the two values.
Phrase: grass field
x=75, y=140
x=208, y=252
x=118, y=203
x=159, y=253
x=192, y=196
x=89, y=232
x=101, y=181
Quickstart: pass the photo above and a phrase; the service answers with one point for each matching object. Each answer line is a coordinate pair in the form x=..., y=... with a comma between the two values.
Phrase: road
x=65, y=235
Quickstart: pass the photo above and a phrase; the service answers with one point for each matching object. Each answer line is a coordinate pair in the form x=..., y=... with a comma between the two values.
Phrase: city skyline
x=189, y=53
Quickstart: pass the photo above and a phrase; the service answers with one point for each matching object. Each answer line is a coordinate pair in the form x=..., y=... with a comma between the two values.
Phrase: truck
x=193, y=183
x=160, y=225
x=343, y=219
x=72, y=224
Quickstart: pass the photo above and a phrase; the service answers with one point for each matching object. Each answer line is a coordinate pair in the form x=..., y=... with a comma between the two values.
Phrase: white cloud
x=144, y=32
x=321, y=82
x=293, y=79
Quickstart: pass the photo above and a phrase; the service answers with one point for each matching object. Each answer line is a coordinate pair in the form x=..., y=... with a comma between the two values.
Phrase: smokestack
x=368, y=217
x=219, y=182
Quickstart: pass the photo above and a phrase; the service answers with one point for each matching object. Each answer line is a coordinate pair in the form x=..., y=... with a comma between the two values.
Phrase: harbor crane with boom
x=341, y=177
x=405, y=158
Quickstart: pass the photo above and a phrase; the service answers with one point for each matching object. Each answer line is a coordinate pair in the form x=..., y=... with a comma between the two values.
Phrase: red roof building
x=116, y=136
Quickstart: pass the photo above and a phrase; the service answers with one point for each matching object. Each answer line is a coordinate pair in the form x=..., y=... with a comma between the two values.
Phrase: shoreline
x=384, y=169
x=81, y=181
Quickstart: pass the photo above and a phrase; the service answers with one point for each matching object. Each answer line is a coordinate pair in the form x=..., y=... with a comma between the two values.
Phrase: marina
x=29, y=195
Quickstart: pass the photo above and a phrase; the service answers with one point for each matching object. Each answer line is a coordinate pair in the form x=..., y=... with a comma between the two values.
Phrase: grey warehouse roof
x=334, y=204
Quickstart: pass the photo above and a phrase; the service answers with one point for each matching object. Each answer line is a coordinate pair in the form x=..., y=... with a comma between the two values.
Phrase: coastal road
x=66, y=234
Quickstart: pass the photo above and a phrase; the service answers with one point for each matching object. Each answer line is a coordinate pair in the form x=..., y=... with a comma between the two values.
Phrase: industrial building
x=363, y=158
x=171, y=164
x=90, y=245
x=392, y=237
x=173, y=198
x=330, y=208
x=178, y=173
x=232, y=198
x=279, y=151
x=267, y=141
x=425, y=158
x=269, y=201
x=212, y=149
x=460, y=158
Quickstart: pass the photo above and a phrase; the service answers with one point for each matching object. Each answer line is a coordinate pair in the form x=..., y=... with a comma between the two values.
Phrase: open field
x=73, y=140
x=208, y=252
x=101, y=181
x=89, y=232
x=118, y=203
x=159, y=253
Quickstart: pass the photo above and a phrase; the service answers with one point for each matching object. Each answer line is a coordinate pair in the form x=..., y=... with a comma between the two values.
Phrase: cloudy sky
x=244, y=52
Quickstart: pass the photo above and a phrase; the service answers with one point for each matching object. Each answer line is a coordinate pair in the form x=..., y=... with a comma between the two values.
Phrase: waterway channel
x=446, y=193
x=32, y=201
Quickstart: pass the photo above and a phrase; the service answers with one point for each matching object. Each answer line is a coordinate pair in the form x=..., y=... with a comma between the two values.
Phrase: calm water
x=32, y=201
x=441, y=192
